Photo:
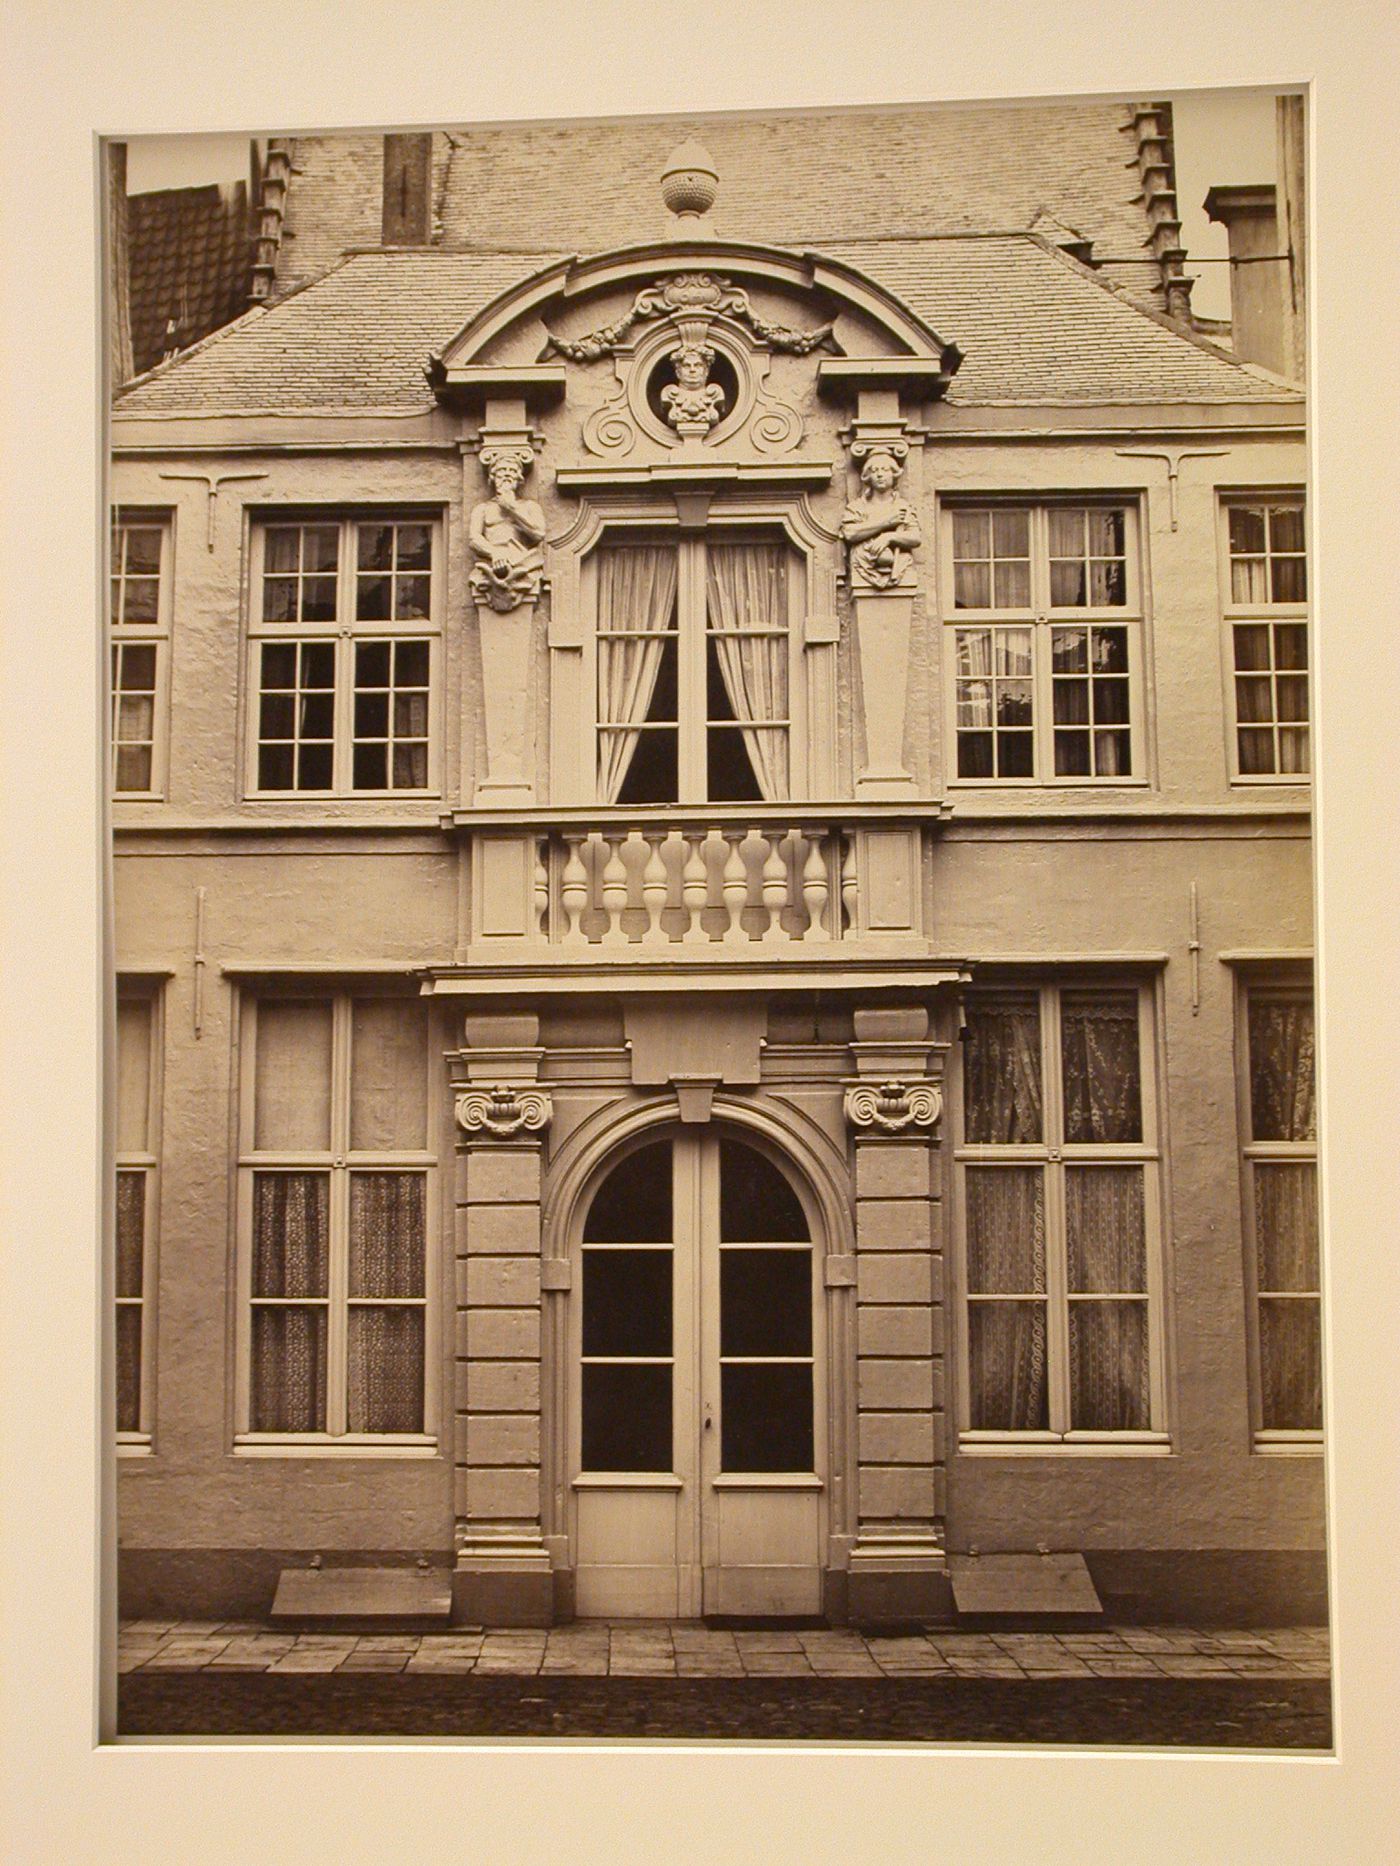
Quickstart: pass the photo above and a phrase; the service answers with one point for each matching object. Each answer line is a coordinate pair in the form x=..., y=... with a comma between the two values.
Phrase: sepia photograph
x=715, y=1127
x=696, y=1018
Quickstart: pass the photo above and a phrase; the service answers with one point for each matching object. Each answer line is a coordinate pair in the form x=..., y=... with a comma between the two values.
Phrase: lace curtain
x=384, y=1387
x=746, y=589
x=291, y=1237
x=1290, y=1310
x=636, y=593
x=1006, y=1257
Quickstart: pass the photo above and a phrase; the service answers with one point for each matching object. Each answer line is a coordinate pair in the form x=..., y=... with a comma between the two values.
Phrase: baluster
x=654, y=888
x=735, y=887
x=774, y=887
x=542, y=890
x=695, y=886
x=614, y=889
x=815, y=888
x=848, y=882
x=573, y=889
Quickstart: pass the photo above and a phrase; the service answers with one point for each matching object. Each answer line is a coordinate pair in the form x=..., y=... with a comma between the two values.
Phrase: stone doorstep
x=374, y=1662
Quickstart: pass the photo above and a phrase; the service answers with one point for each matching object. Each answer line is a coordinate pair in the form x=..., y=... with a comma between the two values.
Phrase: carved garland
x=688, y=293
x=503, y=1110
x=893, y=1106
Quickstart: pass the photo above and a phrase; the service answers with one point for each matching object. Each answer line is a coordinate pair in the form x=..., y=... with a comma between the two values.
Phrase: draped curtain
x=1102, y=1081
x=746, y=590
x=1002, y=1070
x=1281, y=1071
x=636, y=594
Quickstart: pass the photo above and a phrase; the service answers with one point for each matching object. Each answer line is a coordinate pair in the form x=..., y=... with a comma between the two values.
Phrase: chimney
x=120, y=368
x=1293, y=233
x=408, y=170
x=1258, y=273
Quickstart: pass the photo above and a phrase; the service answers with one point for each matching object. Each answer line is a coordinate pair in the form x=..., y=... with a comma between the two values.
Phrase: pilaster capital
x=892, y=1107
x=504, y=1110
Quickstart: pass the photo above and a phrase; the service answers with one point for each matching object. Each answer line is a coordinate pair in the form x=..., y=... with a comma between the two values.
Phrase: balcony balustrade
x=714, y=887
x=685, y=888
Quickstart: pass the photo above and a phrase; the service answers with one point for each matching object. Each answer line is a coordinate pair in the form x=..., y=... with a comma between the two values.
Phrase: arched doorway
x=697, y=1445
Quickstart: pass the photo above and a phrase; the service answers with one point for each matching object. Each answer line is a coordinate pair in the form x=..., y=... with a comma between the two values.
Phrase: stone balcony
x=758, y=892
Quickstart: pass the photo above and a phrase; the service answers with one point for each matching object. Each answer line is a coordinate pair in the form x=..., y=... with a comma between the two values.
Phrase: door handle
x=709, y=1416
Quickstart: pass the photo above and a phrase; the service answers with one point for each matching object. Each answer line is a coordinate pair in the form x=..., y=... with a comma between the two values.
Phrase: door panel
x=698, y=1440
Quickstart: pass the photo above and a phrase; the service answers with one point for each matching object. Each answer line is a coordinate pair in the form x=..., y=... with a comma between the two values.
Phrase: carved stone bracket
x=893, y=1106
x=503, y=1110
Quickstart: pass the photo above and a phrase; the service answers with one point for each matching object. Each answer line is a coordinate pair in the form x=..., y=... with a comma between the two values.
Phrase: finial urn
x=690, y=180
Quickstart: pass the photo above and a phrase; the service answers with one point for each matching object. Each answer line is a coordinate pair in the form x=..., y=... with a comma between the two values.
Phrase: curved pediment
x=768, y=300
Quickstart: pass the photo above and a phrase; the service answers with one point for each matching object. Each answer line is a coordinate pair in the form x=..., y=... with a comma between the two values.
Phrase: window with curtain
x=1058, y=1169
x=137, y=1101
x=1046, y=650
x=140, y=634
x=336, y=1163
x=694, y=646
x=1281, y=1206
x=344, y=644
x=1266, y=606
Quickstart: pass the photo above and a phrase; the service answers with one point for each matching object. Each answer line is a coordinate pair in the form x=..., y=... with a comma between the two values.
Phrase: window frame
x=1287, y=984
x=1053, y=1154
x=145, y=1161
x=1268, y=614
x=1041, y=617
x=344, y=632
x=154, y=634
x=338, y=1161
x=692, y=638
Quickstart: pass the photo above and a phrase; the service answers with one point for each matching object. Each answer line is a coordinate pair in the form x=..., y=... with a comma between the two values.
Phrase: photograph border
x=107, y=78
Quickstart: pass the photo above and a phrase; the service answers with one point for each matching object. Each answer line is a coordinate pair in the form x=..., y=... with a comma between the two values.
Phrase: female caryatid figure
x=506, y=532
x=881, y=529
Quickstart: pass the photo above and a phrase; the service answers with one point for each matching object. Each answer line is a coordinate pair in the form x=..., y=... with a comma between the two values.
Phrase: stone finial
x=690, y=181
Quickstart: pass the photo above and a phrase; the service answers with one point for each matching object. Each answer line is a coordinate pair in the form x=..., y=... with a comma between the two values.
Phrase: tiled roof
x=802, y=179
x=1034, y=327
x=190, y=266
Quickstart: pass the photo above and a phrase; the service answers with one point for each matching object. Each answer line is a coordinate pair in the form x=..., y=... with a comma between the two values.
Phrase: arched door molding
x=817, y=1172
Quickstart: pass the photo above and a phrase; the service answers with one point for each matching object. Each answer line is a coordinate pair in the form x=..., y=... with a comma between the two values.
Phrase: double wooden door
x=697, y=1415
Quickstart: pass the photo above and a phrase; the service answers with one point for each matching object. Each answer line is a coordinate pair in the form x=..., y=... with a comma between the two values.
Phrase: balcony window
x=693, y=671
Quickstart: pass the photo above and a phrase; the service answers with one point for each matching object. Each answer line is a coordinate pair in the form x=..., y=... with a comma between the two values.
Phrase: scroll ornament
x=893, y=1106
x=503, y=1110
x=689, y=294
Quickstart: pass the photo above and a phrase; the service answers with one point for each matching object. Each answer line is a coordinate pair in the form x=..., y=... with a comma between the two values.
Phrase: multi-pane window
x=140, y=594
x=1280, y=1119
x=1058, y=1166
x=694, y=670
x=1046, y=643
x=343, y=649
x=135, y=1203
x=336, y=1167
x=1266, y=600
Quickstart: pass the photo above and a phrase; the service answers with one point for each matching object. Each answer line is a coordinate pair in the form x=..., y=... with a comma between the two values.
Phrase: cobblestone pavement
x=678, y=1650
x=1124, y=1686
